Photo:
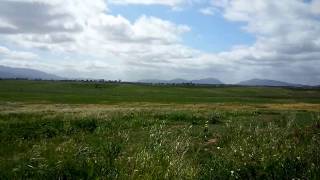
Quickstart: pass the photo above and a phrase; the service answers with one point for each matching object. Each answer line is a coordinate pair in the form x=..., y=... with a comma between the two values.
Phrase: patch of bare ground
x=95, y=108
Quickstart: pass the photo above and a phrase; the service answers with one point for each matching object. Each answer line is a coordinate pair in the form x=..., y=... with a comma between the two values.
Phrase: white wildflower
x=232, y=173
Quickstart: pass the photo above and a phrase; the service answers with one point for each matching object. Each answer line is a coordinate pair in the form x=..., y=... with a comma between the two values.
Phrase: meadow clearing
x=83, y=130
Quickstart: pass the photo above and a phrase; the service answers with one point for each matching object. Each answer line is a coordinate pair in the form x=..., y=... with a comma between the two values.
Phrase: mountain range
x=181, y=81
x=267, y=82
x=25, y=73
x=213, y=81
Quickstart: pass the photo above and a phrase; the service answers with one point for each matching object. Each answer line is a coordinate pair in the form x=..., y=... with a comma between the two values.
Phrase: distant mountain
x=207, y=81
x=267, y=82
x=181, y=81
x=24, y=73
x=178, y=81
x=152, y=81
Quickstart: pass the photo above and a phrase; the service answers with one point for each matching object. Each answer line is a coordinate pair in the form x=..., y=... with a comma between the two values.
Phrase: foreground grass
x=146, y=143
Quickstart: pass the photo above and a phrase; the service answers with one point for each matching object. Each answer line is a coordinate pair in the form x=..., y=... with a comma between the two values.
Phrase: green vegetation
x=122, y=140
x=93, y=93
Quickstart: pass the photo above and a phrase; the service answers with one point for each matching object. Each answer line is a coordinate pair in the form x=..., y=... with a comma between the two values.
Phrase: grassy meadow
x=78, y=130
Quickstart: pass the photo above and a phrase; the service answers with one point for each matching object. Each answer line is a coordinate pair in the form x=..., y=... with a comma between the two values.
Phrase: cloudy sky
x=232, y=40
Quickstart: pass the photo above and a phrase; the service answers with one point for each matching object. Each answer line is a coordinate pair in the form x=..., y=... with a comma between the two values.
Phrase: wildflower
x=232, y=173
x=218, y=147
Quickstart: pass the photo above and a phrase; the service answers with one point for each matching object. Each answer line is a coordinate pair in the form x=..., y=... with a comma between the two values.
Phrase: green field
x=78, y=130
x=95, y=93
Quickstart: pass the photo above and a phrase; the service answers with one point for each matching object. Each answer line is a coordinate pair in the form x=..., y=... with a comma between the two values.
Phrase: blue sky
x=231, y=40
x=210, y=33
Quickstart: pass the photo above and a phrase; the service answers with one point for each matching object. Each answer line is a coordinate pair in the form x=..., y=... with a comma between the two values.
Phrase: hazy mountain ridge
x=181, y=81
x=25, y=73
x=267, y=82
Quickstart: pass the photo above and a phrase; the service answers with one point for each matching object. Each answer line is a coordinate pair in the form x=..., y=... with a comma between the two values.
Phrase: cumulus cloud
x=287, y=34
x=34, y=17
x=85, y=28
x=72, y=25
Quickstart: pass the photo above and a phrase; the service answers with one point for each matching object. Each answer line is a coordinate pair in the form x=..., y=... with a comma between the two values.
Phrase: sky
x=232, y=40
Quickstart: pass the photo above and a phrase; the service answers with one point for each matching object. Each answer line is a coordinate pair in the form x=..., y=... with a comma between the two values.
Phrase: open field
x=63, y=130
x=95, y=93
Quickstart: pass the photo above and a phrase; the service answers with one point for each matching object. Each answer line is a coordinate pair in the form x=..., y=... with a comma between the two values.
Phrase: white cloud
x=287, y=35
x=70, y=26
x=6, y=53
x=315, y=7
x=155, y=28
x=104, y=38
x=4, y=50
x=209, y=11
x=171, y=3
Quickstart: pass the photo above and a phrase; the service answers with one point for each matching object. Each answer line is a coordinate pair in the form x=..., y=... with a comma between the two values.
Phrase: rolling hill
x=25, y=73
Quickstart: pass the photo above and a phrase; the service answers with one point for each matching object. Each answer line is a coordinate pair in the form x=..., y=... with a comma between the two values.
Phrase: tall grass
x=162, y=144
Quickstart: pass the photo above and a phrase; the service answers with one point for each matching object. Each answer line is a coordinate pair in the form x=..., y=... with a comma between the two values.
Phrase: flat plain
x=87, y=130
